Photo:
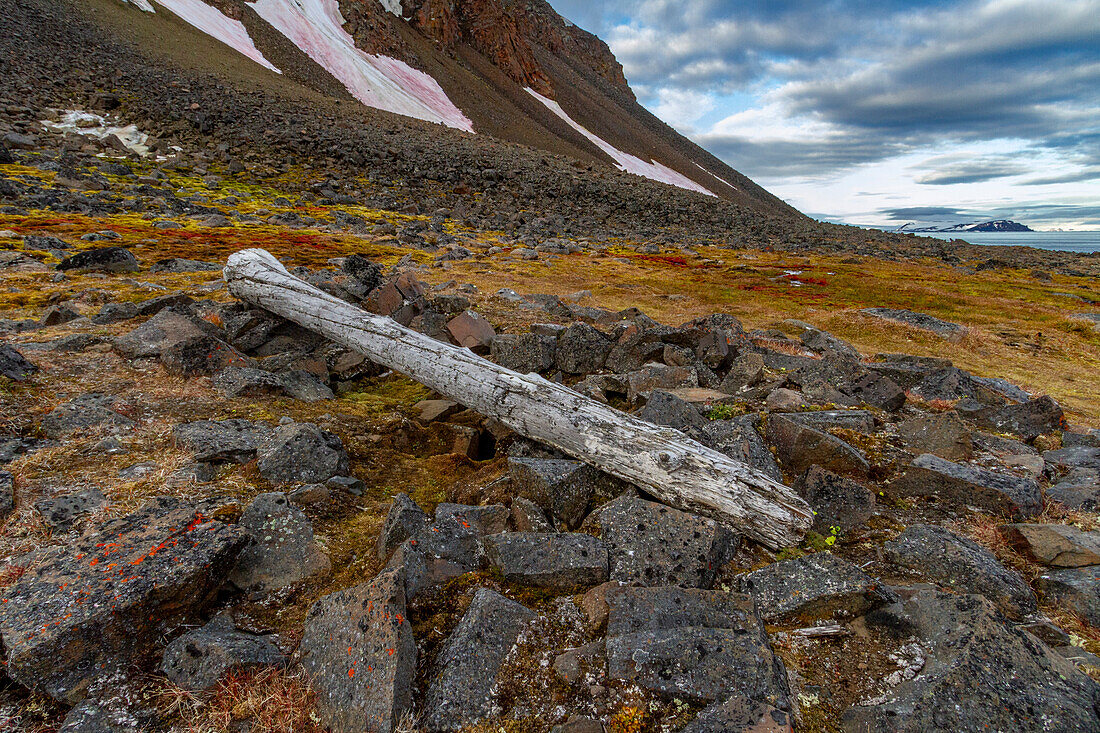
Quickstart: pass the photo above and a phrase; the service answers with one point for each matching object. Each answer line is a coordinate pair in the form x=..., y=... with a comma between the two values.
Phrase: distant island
x=998, y=225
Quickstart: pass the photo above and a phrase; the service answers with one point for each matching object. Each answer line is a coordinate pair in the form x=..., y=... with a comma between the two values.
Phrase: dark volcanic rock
x=221, y=441
x=14, y=365
x=919, y=320
x=461, y=689
x=103, y=600
x=799, y=447
x=7, y=494
x=200, y=658
x=1054, y=545
x=940, y=555
x=179, y=264
x=652, y=544
x=1078, y=589
x=582, y=349
x=203, y=354
x=164, y=330
x=929, y=475
x=1029, y=420
x=696, y=645
x=301, y=453
x=562, y=488
x=103, y=259
x=358, y=650
x=61, y=511
x=944, y=435
x=816, y=586
x=741, y=715
x=404, y=520
x=836, y=501
x=87, y=411
x=527, y=352
x=1080, y=489
x=283, y=551
x=558, y=561
x=980, y=674
x=875, y=390
x=237, y=381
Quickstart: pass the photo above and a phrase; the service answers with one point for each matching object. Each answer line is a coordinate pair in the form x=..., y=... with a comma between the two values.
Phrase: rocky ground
x=214, y=520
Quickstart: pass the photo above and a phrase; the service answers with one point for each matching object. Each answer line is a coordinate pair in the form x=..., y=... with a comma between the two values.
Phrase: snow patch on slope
x=625, y=161
x=723, y=180
x=393, y=6
x=214, y=23
x=142, y=4
x=77, y=122
x=317, y=28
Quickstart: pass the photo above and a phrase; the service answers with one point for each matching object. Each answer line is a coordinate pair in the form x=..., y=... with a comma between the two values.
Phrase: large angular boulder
x=582, y=349
x=87, y=411
x=923, y=321
x=836, y=501
x=562, y=488
x=930, y=475
x=944, y=435
x=460, y=692
x=799, y=446
x=199, y=659
x=876, y=390
x=14, y=365
x=357, y=648
x=203, y=354
x=283, y=551
x=301, y=453
x=1054, y=545
x=405, y=519
x=1028, y=420
x=221, y=441
x=816, y=586
x=557, y=561
x=979, y=674
x=527, y=352
x=163, y=331
x=1079, y=489
x=237, y=381
x=1077, y=589
x=691, y=644
x=652, y=544
x=102, y=259
x=471, y=330
x=101, y=601
x=940, y=555
x=741, y=715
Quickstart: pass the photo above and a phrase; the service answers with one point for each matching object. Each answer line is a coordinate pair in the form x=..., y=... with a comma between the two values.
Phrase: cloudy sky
x=879, y=111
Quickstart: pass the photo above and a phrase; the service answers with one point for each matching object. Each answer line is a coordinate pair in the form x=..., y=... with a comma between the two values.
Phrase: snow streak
x=212, y=22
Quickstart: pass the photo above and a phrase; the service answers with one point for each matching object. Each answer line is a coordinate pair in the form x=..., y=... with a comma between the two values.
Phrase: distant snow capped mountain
x=997, y=225
x=513, y=70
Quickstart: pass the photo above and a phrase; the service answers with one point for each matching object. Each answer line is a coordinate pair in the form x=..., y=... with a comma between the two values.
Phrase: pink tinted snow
x=212, y=22
x=317, y=28
x=626, y=162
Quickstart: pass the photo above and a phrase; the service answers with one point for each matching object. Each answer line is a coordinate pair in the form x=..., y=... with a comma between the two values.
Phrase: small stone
x=432, y=410
x=61, y=511
x=221, y=441
x=91, y=410
x=301, y=453
x=14, y=365
x=784, y=400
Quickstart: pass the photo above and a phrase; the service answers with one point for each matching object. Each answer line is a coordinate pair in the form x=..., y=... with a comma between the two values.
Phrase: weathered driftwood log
x=663, y=461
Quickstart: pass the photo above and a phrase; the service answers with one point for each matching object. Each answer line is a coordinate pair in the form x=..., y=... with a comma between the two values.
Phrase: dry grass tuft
x=268, y=699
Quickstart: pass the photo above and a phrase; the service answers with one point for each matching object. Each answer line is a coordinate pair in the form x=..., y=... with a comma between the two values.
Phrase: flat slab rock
x=692, y=644
x=980, y=674
x=652, y=544
x=812, y=587
x=221, y=441
x=799, y=446
x=947, y=329
x=940, y=555
x=283, y=551
x=1054, y=545
x=92, y=410
x=461, y=689
x=559, y=561
x=560, y=487
x=1076, y=588
x=357, y=648
x=101, y=600
x=930, y=475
